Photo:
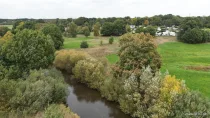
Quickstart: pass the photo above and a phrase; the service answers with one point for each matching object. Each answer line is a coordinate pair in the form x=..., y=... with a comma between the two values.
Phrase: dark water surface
x=87, y=103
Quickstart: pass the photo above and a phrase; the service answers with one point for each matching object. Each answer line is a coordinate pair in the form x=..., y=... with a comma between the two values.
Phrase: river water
x=88, y=103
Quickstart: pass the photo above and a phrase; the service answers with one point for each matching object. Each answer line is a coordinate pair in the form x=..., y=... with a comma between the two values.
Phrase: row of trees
x=157, y=20
x=135, y=81
x=191, y=31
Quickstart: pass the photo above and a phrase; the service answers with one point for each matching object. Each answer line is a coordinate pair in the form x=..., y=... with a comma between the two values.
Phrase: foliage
x=67, y=59
x=40, y=88
x=84, y=44
x=137, y=51
x=3, y=30
x=194, y=35
x=28, y=50
x=119, y=27
x=111, y=40
x=72, y=30
x=107, y=29
x=91, y=72
x=116, y=29
x=79, y=30
x=146, y=22
x=96, y=29
x=190, y=104
x=128, y=29
x=59, y=111
x=7, y=36
x=151, y=30
x=140, y=94
x=55, y=33
x=190, y=32
x=86, y=31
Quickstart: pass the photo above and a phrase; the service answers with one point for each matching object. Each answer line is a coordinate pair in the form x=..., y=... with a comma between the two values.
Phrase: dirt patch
x=198, y=68
x=164, y=39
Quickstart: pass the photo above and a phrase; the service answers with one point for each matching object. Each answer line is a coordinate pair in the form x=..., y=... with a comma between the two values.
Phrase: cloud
x=100, y=8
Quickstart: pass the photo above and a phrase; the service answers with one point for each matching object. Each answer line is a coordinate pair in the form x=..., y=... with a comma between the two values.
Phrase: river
x=88, y=103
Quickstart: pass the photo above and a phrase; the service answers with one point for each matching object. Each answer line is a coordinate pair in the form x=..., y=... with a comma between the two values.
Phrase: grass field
x=177, y=57
x=9, y=26
x=74, y=43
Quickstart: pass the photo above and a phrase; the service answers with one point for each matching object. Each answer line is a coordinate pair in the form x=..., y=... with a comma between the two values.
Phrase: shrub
x=55, y=34
x=3, y=30
x=79, y=30
x=8, y=36
x=140, y=94
x=96, y=29
x=59, y=111
x=190, y=104
x=41, y=88
x=137, y=51
x=111, y=40
x=29, y=50
x=84, y=44
x=107, y=29
x=91, y=72
x=72, y=30
x=194, y=35
x=67, y=59
x=86, y=31
x=151, y=30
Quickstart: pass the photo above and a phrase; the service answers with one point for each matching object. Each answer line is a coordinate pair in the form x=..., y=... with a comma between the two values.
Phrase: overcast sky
x=101, y=8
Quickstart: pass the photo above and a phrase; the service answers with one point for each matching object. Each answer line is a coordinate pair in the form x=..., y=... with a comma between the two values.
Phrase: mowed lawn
x=177, y=56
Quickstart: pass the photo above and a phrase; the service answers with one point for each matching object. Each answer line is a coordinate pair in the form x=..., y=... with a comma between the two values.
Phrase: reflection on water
x=87, y=103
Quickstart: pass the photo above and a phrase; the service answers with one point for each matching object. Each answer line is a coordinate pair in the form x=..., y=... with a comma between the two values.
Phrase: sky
x=101, y=8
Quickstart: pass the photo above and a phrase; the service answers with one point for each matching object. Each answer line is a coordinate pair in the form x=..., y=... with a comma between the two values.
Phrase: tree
x=150, y=29
x=107, y=29
x=86, y=31
x=8, y=36
x=193, y=36
x=28, y=50
x=119, y=27
x=3, y=30
x=146, y=22
x=137, y=51
x=54, y=32
x=96, y=29
x=185, y=31
x=128, y=28
x=72, y=30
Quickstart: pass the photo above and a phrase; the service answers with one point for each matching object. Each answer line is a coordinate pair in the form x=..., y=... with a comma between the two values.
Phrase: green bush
x=150, y=29
x=111, y=40
x=28, y=50
x=193, y=36
x=84, y=44
x=32, y=95
x=59, y=111
x=91, y=72
x=86, y=31
x=71, y=30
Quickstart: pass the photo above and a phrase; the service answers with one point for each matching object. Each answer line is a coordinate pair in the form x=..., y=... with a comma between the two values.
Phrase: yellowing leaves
x=171, y=86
